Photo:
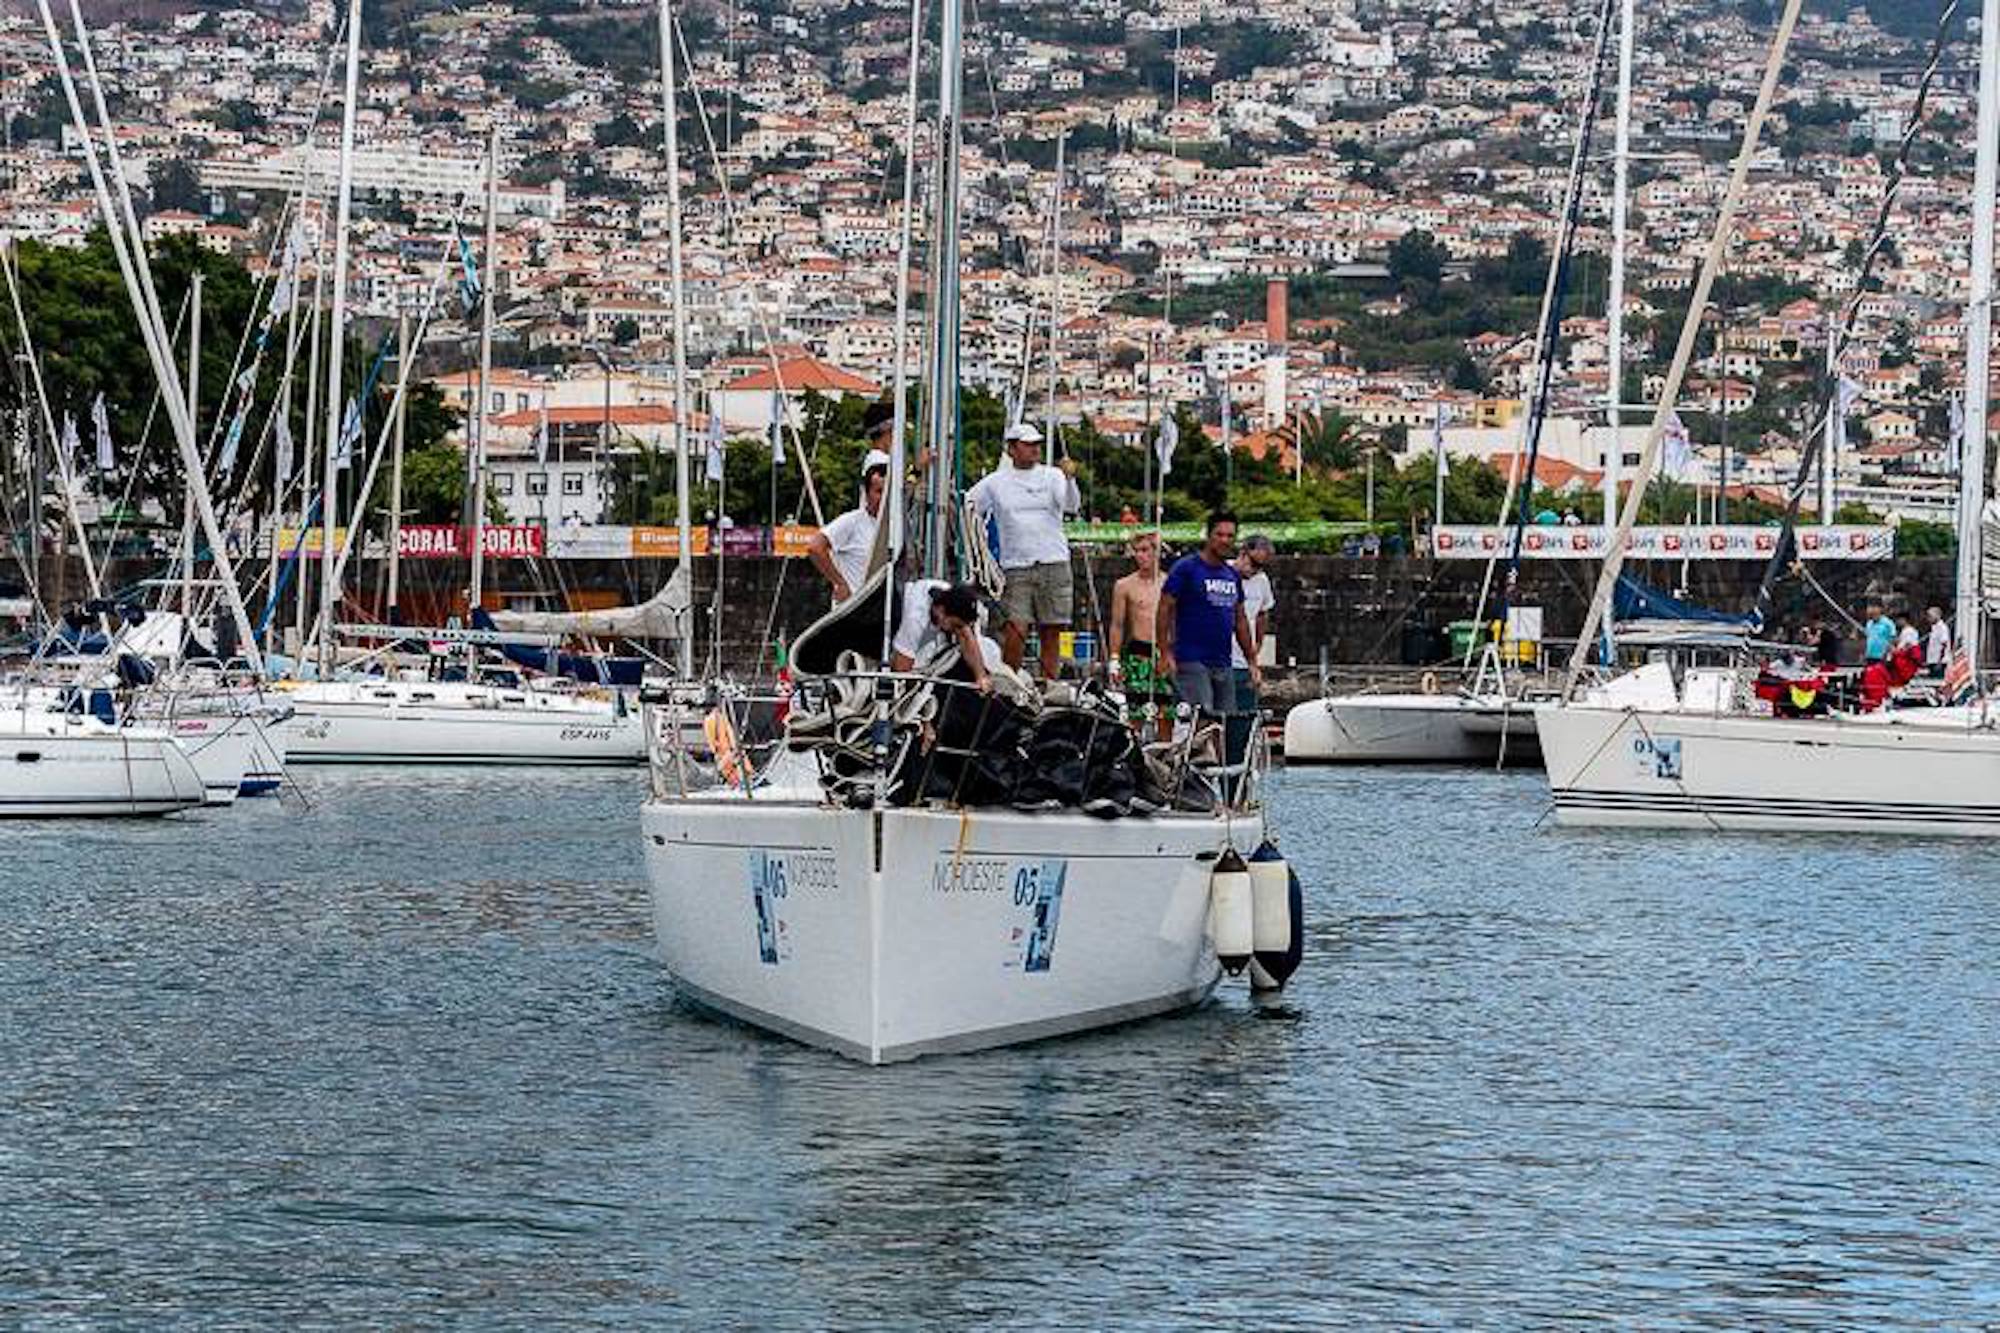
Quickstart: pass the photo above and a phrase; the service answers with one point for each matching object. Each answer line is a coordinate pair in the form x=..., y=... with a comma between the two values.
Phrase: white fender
x=1277, y=932
x=1231, y=923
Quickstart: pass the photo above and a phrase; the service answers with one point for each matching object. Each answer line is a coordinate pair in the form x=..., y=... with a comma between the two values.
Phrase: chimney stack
x=1277, y=329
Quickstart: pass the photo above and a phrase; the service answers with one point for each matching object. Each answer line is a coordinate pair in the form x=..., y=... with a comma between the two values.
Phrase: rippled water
x=404, y=1058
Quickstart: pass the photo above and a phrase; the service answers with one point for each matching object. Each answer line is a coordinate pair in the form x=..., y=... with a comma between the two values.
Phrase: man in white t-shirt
x=840, y=551
x=1026, y=499
x=1937, y=642
x=1258, y=599
x=938, y=615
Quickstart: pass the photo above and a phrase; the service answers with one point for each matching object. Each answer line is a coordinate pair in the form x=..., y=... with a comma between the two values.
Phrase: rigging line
x=1543, y=321
x=729, y=213
x=145, y=439
x=1551, y=334
x=1829, y=398
x=1712, y=262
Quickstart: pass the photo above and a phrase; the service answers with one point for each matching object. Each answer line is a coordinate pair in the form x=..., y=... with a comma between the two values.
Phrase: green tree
x=1416, y=261
x=174, y=184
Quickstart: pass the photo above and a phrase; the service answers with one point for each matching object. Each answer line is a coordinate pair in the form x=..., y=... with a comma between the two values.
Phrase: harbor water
x=404, y=1058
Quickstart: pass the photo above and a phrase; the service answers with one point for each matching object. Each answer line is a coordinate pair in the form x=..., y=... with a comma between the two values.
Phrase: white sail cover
x=660, y=616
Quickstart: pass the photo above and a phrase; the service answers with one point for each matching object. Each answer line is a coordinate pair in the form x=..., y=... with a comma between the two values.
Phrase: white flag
x=777, y=430
x=1169, y=439
x=284, y=450
x=70, y=443
x=225, y=463
x=1437, y=442
x=715, y=460
x=100, y=425
x=542, y=435
x=350, y=432
x=1678, y=459
x=1957, y=446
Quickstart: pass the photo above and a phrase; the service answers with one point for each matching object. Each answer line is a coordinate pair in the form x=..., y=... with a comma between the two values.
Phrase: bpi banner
x=445, y=541
x=1730, y=542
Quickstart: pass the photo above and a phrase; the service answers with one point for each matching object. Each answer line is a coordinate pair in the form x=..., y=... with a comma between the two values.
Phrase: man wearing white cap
x=1026, y=499
x=840, y=550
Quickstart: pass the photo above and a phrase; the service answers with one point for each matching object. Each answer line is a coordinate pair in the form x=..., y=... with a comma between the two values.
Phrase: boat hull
x=1899, y=774
x=1407, y=729
x=220, y=746
x=365, y=724
x=886, y=936
x=94, y=774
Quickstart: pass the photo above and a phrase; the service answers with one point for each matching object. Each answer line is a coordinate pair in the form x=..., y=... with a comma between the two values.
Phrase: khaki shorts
x=1039, y=594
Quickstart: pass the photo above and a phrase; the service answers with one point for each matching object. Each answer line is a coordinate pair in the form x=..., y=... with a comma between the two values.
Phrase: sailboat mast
x=1621, y=185
x=941, y=406
x=684, y=528
x=396, y=466
x=1978, y=337
x=1055, y=288
x=900, y=378
x=482, y=409
x=329, y=593
x=194, y=415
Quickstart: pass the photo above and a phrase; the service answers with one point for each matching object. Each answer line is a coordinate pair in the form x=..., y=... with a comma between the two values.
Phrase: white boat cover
x=658, y=617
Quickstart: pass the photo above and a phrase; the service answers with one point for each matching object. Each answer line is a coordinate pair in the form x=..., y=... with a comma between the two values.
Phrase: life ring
x=1429, y=684
x=721, y=738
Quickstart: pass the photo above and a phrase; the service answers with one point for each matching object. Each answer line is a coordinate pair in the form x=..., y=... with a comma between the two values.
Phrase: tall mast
x=481, y=410
x=900, y=376
x=1621, y=184
x=396, y=466
x=194, y=415
x=329, y=593
x=941, y=407
x=684, y=528
x=1978, y=337
x=1055, y=287
x=314, y=327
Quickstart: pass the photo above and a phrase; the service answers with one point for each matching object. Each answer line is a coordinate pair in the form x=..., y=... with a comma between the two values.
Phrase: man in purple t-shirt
x=1201, y=614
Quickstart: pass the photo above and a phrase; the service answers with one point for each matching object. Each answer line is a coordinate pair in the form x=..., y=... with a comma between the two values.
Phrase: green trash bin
x=1464, y=636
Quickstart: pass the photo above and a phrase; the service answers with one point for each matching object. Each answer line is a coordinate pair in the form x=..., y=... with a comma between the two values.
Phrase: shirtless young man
x=1135, y=603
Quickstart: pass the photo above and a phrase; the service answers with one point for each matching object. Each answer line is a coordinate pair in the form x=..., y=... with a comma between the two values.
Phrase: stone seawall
x=1347, y=611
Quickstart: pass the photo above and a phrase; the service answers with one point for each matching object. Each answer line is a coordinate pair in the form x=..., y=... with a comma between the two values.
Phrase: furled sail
x=660, y=616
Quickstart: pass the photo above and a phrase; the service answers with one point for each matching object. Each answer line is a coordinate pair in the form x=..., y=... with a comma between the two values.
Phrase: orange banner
x=665, y=543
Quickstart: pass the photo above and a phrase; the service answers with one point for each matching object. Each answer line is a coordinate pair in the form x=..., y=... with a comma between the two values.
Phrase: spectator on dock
x=1829, y=645
x=1025, y=499
x=1906, y=632
x=1880, y=632
x=1937, y=643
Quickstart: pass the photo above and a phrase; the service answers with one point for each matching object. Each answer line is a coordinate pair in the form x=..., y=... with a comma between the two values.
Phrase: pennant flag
x=70, y=443
x=225, y=462
x=350, y=432
x=100, y=425
x=284, y=450
x=1959, y=681
x=1677, y=462
x=1957, y=432
x=542, y=434
x=1169, y=439
x=715, y=460
x=468, y=283
x=777, y=430
x=1437, y=442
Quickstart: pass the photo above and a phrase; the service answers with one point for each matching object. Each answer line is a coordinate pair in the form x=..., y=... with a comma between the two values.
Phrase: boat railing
x=878, y=736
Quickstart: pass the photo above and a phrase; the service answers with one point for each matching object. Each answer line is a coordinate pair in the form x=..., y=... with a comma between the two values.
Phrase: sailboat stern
x=890, y=935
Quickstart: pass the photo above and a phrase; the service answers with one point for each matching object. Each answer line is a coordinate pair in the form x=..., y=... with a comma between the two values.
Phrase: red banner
x=445, y=541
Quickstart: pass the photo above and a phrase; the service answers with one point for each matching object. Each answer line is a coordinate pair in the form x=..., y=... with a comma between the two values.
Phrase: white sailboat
x=820, y=906
x=1481, y=722
x=344, y=715
x=1649, y=750
x=55, y=762
x=1490, y=717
